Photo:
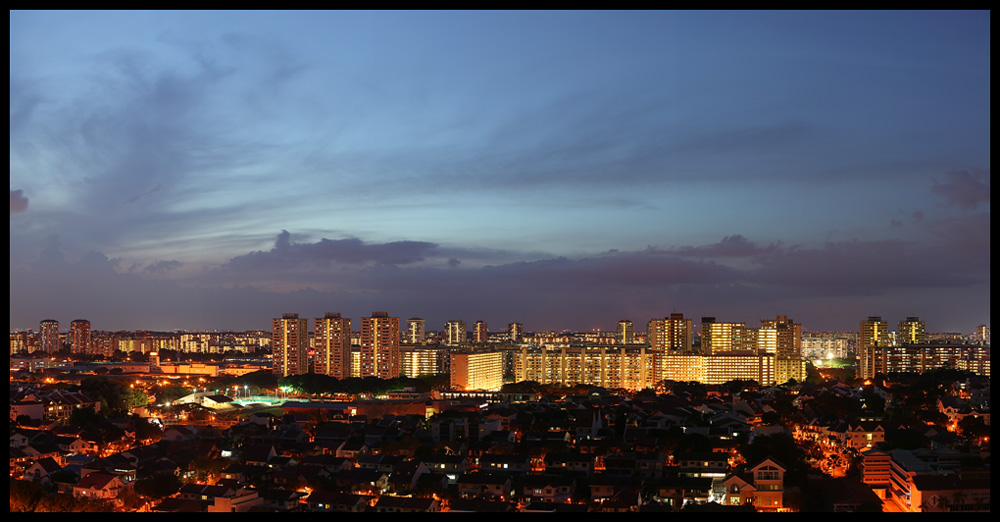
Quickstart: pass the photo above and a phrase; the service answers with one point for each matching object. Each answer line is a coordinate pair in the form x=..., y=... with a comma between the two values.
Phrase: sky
x=213, y=170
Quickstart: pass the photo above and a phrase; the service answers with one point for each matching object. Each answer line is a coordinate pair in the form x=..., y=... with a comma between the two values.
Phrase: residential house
x=761, y=486
x=100, y=486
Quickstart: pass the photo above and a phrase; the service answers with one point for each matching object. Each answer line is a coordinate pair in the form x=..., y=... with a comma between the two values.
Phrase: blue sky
x=562, y=169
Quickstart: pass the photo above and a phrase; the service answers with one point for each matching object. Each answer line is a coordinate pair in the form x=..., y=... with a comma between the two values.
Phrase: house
x=761, y=486
x=677, y=491
x=551, y=488
x=476, y=505
x=361, y=481
x=281, y=499
x=451, y=465
x=390, y=504
x=336, y=502
x=569, y=462
x=101, y=486
x=42, y=469
x=628, y=500
x=485, y=485
x=518, y=464
x=238, y=501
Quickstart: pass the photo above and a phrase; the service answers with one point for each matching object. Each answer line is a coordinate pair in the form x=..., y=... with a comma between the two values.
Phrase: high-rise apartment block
x=479, y=332
x=379, y=355
x=874, y=332
x=718, y=337
x=79, y=331
x=516, y=332
x=416, y=330
x=672, y=333
x=49, y=331
x=455, y=332
x=626, y=332
x=911, y=331
x=788, y=338
x=290, y=345
x=332, y=345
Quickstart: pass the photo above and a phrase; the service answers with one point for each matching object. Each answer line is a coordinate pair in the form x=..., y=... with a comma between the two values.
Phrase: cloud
x=352, y=251
x=964, y=188
x=729, y=246
x=826, y=287
x=161, y=267
x=18, y=203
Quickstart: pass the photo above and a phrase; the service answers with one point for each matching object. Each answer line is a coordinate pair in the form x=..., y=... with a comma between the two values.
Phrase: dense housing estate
x=554, y=422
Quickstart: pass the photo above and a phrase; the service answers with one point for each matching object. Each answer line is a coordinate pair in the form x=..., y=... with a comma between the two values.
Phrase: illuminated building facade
x=718, y=337
x=290, y=345
x=416, y=330
x=516, y=332
x=873, y=332
x=788, y=339
x=920, y=358
x=632, y=368
x=79, y=332
x=479, y=332
x=418, y=361
x=332, y=345
x=476, y=370
x=720, y=368
x=22, y=342
x=783, y=338
x=825, y=345
x=455, y=332
x=911, y=331
x=607, y=366
x=49, y=332
x=626, y=332
x=379, y=354
x=673, y=332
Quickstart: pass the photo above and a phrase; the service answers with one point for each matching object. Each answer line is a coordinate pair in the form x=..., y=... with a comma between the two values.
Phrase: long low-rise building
x=924, y=357
x=635, y=368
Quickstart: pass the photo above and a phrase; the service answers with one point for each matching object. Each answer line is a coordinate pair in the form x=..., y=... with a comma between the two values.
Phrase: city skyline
x=196, y=170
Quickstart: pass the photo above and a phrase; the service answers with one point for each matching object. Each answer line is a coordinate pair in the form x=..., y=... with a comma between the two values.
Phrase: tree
x=158, y=486
x=973, y=428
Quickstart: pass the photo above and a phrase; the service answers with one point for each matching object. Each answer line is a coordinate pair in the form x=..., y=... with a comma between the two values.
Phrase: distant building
x=418, y=361
x=911, y=331
x=455, y=332
x=477, y=370
x=332, y=345
x=718, y=337
x=49, y=332
x=290, y=345
x=626, y=332
x=416, y=330
x=379, y=354
x=79, y=331
x=788, y=335
x=673, y=332
x=924, y=357
x=479, y=332
x=516, y=331
x=873, y=332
